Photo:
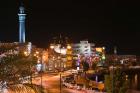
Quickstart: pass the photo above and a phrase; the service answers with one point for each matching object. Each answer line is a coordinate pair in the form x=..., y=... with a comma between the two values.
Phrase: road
x=52, y=84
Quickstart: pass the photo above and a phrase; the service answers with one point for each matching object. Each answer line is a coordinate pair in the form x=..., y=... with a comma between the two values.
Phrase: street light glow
x=37, y=52
x=68, y=47
x=25, y=53
x=52, y=47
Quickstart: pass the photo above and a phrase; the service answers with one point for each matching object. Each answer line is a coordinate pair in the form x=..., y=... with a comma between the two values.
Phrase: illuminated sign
x=99, y=49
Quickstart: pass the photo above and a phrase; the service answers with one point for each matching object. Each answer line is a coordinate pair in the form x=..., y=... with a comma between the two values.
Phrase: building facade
x=83, y=48
x=60, y=58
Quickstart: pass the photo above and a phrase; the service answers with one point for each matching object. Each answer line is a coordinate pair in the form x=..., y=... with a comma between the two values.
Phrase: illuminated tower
x=22, y=17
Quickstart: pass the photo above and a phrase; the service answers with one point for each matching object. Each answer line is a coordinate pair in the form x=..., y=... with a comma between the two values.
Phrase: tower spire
x=22, y=17
x=21, y=10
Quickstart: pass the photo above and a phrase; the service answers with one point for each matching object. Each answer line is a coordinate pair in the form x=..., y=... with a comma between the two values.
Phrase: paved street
x=52, y=84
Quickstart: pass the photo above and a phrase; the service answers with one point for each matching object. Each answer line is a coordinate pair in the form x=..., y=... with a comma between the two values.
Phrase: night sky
x=105, y=22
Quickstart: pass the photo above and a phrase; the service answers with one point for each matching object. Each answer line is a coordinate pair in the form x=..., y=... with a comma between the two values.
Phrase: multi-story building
x=15, y=47
x=121, y=59
x=59, y=57
x=83, y=48
x=86, y=51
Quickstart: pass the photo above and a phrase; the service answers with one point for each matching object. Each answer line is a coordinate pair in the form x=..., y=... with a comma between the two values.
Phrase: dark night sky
x=105, y=22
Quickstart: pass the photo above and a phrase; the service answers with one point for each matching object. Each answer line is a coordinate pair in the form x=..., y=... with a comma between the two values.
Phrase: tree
x=117, y=82
x=15, y=68
x=74, y=64
x=94, y=65
x=85, y=66
x=124, y=87
x=108, y=83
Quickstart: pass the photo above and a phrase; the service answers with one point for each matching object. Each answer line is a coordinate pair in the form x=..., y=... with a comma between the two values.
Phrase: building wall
x=121, y=59
x=16, y=46
x=83, y=48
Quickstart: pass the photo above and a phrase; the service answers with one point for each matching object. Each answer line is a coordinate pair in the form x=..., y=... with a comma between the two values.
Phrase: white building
x=83, y=48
